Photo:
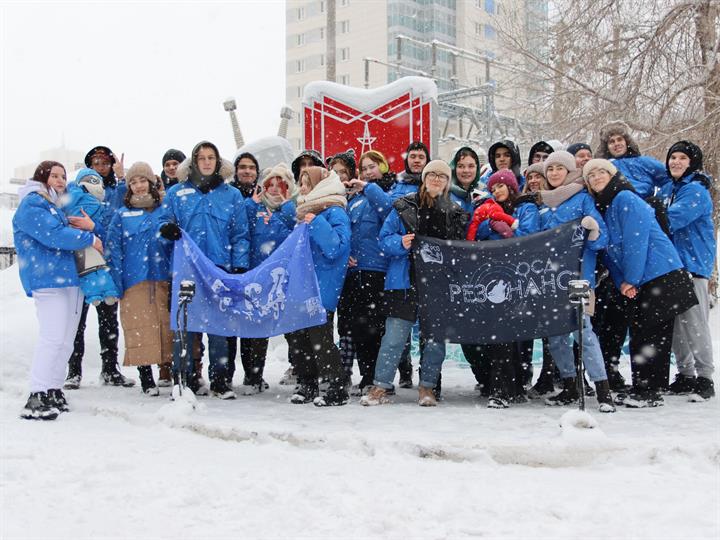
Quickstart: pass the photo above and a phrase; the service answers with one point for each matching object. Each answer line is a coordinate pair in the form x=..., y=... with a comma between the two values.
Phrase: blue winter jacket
x=403, y=185
x=135, y=251
x=76, y=198
x=391, y=233
x=114, y=199
x=367, y=211
x=638, y=250
x=216, y=221
x=330, y=245
x=576, y=207
x=45, y=245
x=266, y=237
x=645, y=173
x=528, y=223
x=689, y=211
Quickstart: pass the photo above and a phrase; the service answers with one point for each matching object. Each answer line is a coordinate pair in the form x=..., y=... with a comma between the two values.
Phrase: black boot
x=682, y=384
x=110, y=375
x=604, y=397
x=567, y=396
x=543, y=386
x=336, y=395
x=305, y=392
x=38, y=408
x=704, y=390
x=56, y=399
x=147, y=382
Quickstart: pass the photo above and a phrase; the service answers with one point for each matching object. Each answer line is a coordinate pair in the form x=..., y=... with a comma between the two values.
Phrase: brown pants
x=145, y=321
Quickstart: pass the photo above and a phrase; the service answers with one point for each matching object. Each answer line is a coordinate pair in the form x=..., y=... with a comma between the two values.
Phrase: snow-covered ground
x=123, y=465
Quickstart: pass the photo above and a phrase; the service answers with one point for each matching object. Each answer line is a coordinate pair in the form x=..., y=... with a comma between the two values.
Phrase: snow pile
x=124, y=465
x=365, y=99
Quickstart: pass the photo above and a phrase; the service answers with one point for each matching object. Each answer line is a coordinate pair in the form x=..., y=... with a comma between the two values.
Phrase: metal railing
x=7, y=256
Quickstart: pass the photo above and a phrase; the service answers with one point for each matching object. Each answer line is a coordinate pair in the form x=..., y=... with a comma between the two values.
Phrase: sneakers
x=604, y=397
x=682, y=384
x=304, y=393
x=375, y=396
x=426, y=397
x=38, y=407
x=704, y=390
x=335, y=396
x=113, y=377
x=56, y=399
x=289, y=378
x=72, y=382
x=567, y=396
x=641, y=398
x=497, y=402
x=221, y=389
x=165, y=376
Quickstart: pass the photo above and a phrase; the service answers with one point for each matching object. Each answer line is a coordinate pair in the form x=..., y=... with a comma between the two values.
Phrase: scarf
x=386, y=182
x=604, y=198
x=327, y=193
x=143, y=201
x=572, y=185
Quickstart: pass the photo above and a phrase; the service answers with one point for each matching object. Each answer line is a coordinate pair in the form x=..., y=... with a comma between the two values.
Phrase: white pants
x=58, y=312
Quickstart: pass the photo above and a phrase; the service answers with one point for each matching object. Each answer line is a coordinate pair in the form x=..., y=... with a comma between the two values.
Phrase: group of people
x=106, y=239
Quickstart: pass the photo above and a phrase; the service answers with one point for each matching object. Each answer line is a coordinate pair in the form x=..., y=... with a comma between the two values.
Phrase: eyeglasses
x=432, y=176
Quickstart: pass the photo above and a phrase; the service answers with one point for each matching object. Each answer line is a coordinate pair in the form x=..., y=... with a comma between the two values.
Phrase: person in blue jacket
x=247, y=173
x=271, y=219
x=362, y=297
x=139, y=260
x=692, y=232
x=111, y=169
x=84, y=197
x=504, y=154
x=171, y=160
x=322, y=205
x=213, y=214
x=647, y=269
x=429, y=212
x=45, y=244
x=568, y=201
x=465, y=182
x=505, y=363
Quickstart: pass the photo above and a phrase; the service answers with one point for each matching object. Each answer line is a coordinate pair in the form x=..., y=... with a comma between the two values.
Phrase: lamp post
x=231, y=106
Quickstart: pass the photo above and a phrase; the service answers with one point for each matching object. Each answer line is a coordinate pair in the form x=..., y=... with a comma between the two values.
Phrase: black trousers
x=108, y=331
x=252, y=355
x=316, y=354
x=361, y=316
x=611, y=322
x=650, y=348
x=499, y=361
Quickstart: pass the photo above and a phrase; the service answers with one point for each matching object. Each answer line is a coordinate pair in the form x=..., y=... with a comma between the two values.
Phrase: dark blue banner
x=498, y=291
x=279, y=296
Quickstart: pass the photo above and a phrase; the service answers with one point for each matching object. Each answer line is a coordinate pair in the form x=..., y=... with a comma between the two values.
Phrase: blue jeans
x=391, y=349
x=562, y=353
x=217, y=350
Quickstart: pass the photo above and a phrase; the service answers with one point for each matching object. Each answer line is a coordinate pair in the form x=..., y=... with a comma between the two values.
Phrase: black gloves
x=238, y=270
x=170, y=231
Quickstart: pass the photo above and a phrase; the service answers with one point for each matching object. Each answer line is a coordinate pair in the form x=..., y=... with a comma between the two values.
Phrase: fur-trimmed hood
x=226, y=170
x=616, y=127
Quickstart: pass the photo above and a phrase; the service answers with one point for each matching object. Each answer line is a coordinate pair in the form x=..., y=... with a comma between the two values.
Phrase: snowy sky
x=139, y=77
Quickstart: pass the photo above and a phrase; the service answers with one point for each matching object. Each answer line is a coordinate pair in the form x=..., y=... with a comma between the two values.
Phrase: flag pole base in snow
x=180, y=391
x=579, y=292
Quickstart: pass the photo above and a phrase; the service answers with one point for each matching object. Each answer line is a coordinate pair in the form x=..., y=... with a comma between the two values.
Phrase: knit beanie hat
x=603, y=164
x=692, y=151
x=316, y=175
x=503, y=176
x=141, y=169
x=536, y=168
x=171, y=154
x=438, y=166
x=576, y=147
x=348, y=158
x=560, y=157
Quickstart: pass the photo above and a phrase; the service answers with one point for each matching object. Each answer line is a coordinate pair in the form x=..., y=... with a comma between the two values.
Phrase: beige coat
x=145, y=321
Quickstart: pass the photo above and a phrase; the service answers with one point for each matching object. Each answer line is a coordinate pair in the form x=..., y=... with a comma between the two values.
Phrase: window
x=300, y=66
x=344, y=3
x=299, y=91
x=344, y=27
x=344, y=54
x=322, y=7
x=300, y=40
x=490, y=32
x=345, y=79
x=322, y=59
x=478, y=29
x=300, y=13
x=322, y=32
x=490, y=6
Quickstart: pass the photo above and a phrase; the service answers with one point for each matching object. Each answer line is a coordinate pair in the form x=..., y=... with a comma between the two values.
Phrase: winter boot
x=498, y=402
x=426, y=397
x=336, y=395
x=567, y=396
x=704, y=390
x=197, y=384
x=642, y=397
x=165, y=377
x=288, y=378
x=38, y=407
x=305, y=393
x=615, y=379
x=375, y=396
x=111, y=376
x=542, y=387
x=604, y=397
x=72, y=382
x=221, y=389
x=682, y=384
x=147, y=383
x=198, y=370
x=56, y=399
